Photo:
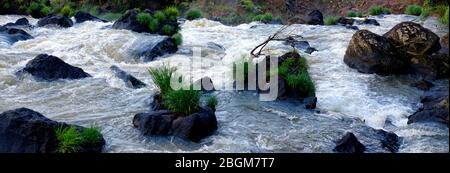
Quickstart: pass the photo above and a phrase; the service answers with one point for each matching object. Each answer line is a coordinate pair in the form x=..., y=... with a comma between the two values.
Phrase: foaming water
x=347, y=100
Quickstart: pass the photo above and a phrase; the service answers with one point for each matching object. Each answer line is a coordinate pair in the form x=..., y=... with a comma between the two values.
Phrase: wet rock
x=26, y=131
x=444, y=41
x=310, y=50
x=205, y=84
x=62, y=21
x=216, y=47
x=130, y=81
x=50, y=68
x=430, y=67
x=435, y=108
x=22, y=22
x=154, y=123
x=346, y=21
x=389, y=140
x=165, y=123
x=300, y=45
x=371, y=53
x=413, y=39
x=81, y=17
x=128, y=21
x=423, y=85
x=349, y=144
x=368, y=22
x=149, y=51
x=157, y=103
x=352, y=27
x=13, y=35
x=315, y=18
x=310, y=102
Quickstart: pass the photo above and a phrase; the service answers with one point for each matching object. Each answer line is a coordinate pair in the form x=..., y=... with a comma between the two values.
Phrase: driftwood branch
x=257, y=51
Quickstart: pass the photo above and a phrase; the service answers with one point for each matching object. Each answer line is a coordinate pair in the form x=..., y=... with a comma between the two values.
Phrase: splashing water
x=347, y=100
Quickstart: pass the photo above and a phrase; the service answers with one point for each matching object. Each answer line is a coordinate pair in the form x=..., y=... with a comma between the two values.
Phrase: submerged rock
x=62, y=21
x=130, y=81
x=315, y=17
x=346, y=21
x=368, y=22
x=435, y=108
x=349, y=144
x=423, y=85
x=165, y=123
x=22, y=22
x=26, y=131
x=50, y=68
x=13, y=35
x=371, y=53
x=150, y=50
x=81, y=17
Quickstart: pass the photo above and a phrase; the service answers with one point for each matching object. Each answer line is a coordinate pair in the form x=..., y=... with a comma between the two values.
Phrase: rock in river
x=26, y=131
x=156, y=47
x=62, y=21
x=50, y=68
x=315, y=17
x=130, y=81
x=12, y=35
x=81, y=17
x=349, y=144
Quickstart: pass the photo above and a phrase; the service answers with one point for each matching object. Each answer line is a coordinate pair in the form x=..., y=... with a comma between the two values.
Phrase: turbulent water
x=348, y=101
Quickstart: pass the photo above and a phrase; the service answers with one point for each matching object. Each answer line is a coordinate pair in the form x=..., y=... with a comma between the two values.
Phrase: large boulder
x=130, y=81
x=62, y=21
x=315, y=17
x=128, y=21
x=26, y=131
x=301, y=45
x=435, y=108
x=22, y=22
x=349, y=144
x=389, y=140
x=165, y=123
x=150, y=50
x=12, y=35
x=346, y=21
x=371, y=53
x=50, y=68
x=413, y=39
x=81, y=17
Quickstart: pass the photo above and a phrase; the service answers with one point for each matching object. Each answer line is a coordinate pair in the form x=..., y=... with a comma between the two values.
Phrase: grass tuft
x=331, y=20
x=413, y=10
x=193, y=14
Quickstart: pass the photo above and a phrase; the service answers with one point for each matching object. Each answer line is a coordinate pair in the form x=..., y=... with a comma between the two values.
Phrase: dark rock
x=149, y=51
x=352, y=27
x=19, y=22
x=315, y=18
x=369, y=22
x=26, y=131
x=444, y=41
x=310, y=50
x=349, y=144
x=50, y=68
x=12, y=35
x=430, y=67
x=215, y=46
x=423, y=85
x=345, y=21
x=157, y=103
x=300, y=45
x=128, y=21
x=165, y=123
x=130, y=81
x=205, y=84
x=154, y=123
x=196, y=126
x=81, y=17
x=389, y=141
x=62, y=21
x=371, y=53
x=413, y=39
x=310, y=102
x=435, y=108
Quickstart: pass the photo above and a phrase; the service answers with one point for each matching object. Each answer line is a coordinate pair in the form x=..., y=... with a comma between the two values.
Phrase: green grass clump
x=302, y=83
x=161, y=77
x=295, y=71
x=377, y=10
x=331, y=20
x=110, y=16
x=266, y=17
x=354, y=14
x=425, y=12
x=91, y=135
x=178, y=38
x=159, y=15
x=33, y=7
x=413, y=10
x=143, y=18
x=248, y=4
x=45, y=10
x=444, y=19
x=153, y=25
x=67, y=11
x=167, y=29
x=184, y=102
x=193, y=14
x=172, y=13
x=212, y=102
x=69, y=139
